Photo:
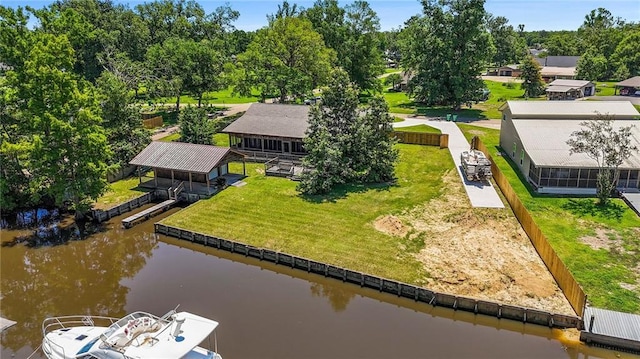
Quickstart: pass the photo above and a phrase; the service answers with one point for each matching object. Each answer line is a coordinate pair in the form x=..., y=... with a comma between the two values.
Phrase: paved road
x=481, y=194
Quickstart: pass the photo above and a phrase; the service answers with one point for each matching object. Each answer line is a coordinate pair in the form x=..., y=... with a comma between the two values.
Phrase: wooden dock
x=611, y=329
x=147, y=213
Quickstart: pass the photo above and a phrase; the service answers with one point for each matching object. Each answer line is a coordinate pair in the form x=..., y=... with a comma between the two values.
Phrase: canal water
x=264, y=310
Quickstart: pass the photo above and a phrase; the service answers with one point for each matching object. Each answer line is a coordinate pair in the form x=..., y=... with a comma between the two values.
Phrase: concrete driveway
x=481, y=194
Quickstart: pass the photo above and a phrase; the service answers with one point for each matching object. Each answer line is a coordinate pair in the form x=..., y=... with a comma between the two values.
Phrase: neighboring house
x=558, y=67
x=570, y=89
x=534, y=135
x=509, y=70
x=629, y=87
x=267, y=131
x=404, y=83
x=197, y=165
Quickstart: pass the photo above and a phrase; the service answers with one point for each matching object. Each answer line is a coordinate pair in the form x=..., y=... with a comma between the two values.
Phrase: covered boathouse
x=191, y=166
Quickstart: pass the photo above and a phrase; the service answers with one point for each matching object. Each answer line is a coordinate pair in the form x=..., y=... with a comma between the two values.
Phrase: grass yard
x=338, y=228
x=119, y=192
x=419, y=128
x=605, y=88
x=219, y=139
x=221, y=97
x=501, y=92
x=575, y=226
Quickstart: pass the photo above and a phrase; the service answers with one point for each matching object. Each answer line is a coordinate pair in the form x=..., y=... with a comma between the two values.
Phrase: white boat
x=139, y=335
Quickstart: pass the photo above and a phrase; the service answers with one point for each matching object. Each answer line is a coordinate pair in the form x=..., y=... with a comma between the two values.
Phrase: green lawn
x=221, y=97
x=564, y=220
x=501, y=92
x=605, y=88
x=119, y=192
x=399, y=102
x=338, y=228
x=219, y=139
x=419, y=128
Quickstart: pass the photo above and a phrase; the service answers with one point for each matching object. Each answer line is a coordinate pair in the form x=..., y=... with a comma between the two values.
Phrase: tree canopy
x=288, y=58
x=445, y=50
x=347, y=144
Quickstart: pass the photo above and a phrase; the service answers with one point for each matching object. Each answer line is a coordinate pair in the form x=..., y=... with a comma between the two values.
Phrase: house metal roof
x=571, y=83
x=276, y=120
x=558, y=61
x=557, y=71
x=545, y=141
x=632, y=82
x=563, y=89
x=181, y=156
x=575, y=110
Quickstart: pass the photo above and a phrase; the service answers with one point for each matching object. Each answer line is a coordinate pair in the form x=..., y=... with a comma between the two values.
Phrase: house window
x=504, y=117
x=521, y=156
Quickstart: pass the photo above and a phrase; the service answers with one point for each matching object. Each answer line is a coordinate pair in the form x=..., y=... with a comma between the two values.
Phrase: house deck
x=611, y=329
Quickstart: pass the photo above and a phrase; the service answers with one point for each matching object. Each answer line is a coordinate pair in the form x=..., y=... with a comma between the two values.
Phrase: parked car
x=312, y=101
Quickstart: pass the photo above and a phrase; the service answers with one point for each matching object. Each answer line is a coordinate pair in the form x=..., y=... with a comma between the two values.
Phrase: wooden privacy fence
x=421, y=138
x=477, y=306
x=153, y=122
x=570, y=287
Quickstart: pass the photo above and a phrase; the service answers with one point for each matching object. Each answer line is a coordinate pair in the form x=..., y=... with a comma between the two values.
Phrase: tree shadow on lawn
x=587, y=206
x=464, y=114
x=343, y=191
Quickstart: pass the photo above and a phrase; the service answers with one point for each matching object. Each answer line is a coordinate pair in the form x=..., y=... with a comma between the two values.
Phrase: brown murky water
x=264, y=310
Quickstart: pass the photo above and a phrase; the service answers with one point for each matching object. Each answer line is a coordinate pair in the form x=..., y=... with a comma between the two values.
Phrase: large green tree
x=345, y=143
x=627, y=54
x=121, y=120
x=64, y=148
x=591, y=66
x=288, y=58
x=532, y=82
x=446, y=50
x=352, y=32
x=505, y=41
x=195, y=127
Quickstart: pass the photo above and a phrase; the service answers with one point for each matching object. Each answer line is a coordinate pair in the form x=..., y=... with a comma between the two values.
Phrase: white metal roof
x=570, y=83
x=557, y=71
x=559, y=89
x=545, y=141
x=577, y=110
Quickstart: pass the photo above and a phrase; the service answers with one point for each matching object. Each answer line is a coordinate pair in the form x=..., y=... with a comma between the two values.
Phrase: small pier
x=611, y=329
x=148, y=213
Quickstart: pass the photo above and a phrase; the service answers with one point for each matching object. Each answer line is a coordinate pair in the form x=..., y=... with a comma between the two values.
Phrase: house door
x=286, y=147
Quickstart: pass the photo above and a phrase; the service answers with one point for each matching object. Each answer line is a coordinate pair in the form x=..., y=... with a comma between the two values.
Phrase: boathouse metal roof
x=575, y=110
x=180, y=156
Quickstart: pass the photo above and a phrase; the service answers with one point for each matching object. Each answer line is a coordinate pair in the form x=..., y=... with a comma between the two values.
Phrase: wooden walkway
x=148, y=213
x=611, y=329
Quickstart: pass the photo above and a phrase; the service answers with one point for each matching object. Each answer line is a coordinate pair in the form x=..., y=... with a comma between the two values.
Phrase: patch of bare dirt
x=481, y=253
x=607, y=239
x=391, y=225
